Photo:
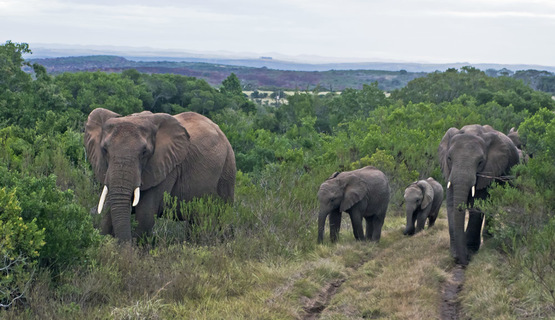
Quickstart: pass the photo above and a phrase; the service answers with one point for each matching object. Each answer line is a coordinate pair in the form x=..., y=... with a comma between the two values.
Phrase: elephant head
x=129, y=155
x=418, y=198
x=336, y=195
x=470, y=158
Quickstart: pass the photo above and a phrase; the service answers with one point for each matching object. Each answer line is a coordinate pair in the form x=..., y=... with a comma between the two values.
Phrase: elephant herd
x=139, y=157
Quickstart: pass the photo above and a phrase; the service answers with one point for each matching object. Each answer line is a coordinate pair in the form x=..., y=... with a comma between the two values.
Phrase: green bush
x=205, y=221
x=20, y=243
x=68, y=227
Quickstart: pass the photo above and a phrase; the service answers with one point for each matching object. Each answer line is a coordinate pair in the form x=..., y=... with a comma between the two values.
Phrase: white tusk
x=137, y=196
x=102, y=199
x=473, y=191
x=448, y=184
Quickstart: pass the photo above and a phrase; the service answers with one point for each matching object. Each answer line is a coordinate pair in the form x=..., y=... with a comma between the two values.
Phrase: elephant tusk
x=448, y=184
x=137, y=196
x=473, y=191
x=102, y=199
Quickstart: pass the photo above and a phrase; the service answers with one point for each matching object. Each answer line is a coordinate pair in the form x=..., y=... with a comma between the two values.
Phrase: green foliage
x=68, y=227
x=447, y=86
x=207, y=220
x=231, y=85
x=85, y=91
x=20, y=243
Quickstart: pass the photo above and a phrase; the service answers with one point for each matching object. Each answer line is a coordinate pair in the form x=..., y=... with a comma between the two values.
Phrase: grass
x=494, y=290
x=401, y=281
x=262, y=276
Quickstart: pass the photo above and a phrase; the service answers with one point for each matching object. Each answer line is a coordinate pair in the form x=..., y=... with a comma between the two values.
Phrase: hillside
x=251, y=78
x=276, y=75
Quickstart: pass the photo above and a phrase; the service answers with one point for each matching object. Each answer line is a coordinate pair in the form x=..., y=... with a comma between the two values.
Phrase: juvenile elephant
x=471, y=158
x=422, y=201
x=362, y=193
x=139, y=157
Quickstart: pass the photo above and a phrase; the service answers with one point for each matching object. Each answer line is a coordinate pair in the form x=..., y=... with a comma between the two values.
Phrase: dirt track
x=392, y=254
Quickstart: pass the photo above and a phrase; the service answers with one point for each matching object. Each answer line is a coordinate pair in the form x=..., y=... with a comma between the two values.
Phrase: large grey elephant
x=362, y=193
x=471, y=158
x=423, y=199
x=139, y=157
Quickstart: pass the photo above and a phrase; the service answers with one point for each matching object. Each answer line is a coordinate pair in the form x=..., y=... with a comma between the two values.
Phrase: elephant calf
x=362, y=193
x=422, y=201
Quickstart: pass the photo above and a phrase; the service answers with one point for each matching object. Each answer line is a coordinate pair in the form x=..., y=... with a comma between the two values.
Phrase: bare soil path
x=450, y=305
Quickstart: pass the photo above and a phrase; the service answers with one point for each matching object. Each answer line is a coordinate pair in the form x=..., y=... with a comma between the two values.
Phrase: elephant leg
x=106, y=224
x=473, y=229
x=151, y=204
x=377, y=224
x=451, y=222
x=335, y=225
x=421, y=220
x=356, y=221
x=431, y=221
x=369, y=227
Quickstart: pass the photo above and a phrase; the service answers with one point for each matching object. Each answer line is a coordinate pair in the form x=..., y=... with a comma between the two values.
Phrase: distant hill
x=269, y=74
x=252, y=78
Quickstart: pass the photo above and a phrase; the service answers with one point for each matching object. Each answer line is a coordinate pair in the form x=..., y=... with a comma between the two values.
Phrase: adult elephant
x=423, y=199
x=362, y=193
x=139, y=157
x=471, y=158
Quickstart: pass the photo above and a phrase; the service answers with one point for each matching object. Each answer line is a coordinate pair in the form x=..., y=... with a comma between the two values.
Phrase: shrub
x=206, y=220
x=20, y=243
x=68, y=227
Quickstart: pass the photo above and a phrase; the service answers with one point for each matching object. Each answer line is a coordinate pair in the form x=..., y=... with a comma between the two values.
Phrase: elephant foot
x=462, y=262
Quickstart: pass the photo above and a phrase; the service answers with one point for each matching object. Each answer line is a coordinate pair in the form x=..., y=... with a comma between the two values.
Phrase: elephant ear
x=171, y=147
x=427, y=193
x=501, y=155
x=443, y=151
x=354, y=192
x=92, y=140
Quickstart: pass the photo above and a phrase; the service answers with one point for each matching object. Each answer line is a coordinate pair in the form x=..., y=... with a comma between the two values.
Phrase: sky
x=432, y=31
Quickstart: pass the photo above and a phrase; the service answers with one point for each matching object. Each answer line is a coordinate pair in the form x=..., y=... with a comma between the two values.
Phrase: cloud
x=433, y=30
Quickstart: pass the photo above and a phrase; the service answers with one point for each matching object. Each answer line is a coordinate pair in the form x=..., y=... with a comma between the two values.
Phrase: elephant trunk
x=123, y=181
x=321, y=224
x=461, y=188
x=411, y=215
x=121, y=214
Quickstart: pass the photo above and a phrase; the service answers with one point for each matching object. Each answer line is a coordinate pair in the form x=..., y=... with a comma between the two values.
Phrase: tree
x=231, y=85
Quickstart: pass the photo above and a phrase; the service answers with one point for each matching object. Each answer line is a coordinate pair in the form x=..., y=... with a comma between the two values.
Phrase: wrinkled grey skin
x=186, y=155
x=423, y=199
x=463, y=154
x=362, y=193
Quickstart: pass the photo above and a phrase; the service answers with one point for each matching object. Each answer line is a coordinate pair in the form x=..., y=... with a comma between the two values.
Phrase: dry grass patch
x=493, y=291
x=402, y=281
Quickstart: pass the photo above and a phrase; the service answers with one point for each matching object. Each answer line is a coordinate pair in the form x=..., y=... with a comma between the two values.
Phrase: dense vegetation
x=54, y=264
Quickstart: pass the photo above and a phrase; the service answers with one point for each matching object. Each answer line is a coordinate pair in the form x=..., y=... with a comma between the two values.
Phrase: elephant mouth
x=136, y=198
x=472, y=190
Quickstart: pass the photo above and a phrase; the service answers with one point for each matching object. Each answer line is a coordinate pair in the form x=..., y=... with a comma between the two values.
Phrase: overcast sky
x=475, y=31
